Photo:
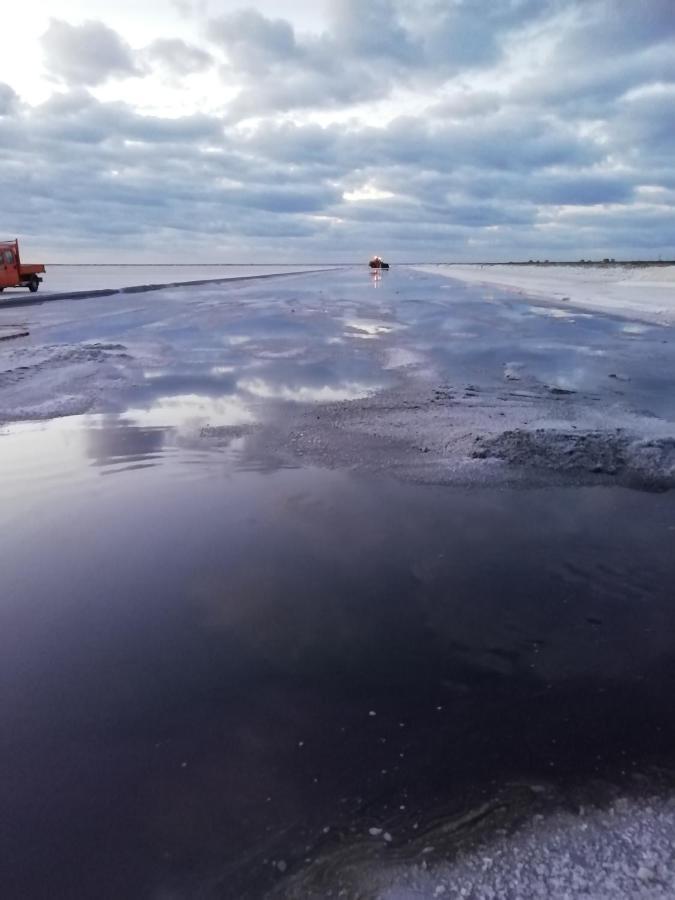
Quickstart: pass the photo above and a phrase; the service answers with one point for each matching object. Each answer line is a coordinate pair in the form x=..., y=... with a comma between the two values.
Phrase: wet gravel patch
x=637, y=463
x=469, y=434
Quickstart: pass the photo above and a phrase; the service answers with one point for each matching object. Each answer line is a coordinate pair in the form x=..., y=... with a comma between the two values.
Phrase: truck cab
x=13, y=272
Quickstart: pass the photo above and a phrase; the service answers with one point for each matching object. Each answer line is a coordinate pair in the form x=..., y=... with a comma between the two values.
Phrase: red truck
x=13, y=272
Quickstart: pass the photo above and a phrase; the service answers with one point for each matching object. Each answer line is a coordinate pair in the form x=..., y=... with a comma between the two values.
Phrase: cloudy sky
x=292, y=130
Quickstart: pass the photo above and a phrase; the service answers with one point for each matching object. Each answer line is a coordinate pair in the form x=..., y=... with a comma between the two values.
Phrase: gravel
x=625, y=851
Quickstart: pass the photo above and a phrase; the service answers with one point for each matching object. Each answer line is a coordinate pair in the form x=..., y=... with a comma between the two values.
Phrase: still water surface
x=207, y=668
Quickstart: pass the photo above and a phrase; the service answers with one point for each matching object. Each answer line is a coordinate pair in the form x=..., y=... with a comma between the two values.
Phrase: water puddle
x=219, y=674
x=191, y=411
x=369, y=329
x=554, y=312
x=326, y=393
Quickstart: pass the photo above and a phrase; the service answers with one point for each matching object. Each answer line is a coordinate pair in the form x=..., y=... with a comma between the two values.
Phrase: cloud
x=647, y=120
x=177, y=57
x=8, y=99
x=373, y=31
x=440, y=128
x=78, y=118
x=610, y=27
x=87, y=54
x=465, y=104
x=471, y=33
x=359, y=58
x=253, y=42
x=602, y=50
x=367, y=51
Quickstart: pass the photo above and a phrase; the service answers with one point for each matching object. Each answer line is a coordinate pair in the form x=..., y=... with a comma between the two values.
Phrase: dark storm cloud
x=87, y=54
x=538, y=127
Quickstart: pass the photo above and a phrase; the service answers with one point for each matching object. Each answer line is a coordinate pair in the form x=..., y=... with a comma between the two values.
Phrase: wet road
x=342, y=332
x=221, y=667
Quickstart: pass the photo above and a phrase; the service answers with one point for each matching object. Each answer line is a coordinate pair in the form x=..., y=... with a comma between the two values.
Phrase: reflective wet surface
x=336, y=336
x=490, y=333
x=215, y=668
x=207, y=670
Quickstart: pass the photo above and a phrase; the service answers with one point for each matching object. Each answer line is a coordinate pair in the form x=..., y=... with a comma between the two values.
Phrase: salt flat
x=646, y=292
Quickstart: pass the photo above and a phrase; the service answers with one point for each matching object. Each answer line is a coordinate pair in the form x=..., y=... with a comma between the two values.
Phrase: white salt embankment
x=645, y=292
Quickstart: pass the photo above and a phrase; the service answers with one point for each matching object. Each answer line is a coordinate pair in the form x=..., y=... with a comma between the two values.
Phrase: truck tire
x=33, y=283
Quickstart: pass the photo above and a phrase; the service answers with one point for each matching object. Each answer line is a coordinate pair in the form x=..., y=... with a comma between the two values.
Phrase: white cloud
x=87, y=54
x=177, y=57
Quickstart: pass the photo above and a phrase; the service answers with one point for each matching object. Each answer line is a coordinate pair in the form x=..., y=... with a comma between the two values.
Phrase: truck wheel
x=33, y=283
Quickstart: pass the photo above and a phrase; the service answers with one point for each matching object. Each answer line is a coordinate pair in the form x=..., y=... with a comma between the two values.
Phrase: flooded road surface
x=415, y=374
x=229, y=671
x=207, y=671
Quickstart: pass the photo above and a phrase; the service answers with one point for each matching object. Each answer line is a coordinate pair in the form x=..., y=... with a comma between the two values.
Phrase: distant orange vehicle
x=377, y=263
x=14, y=273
